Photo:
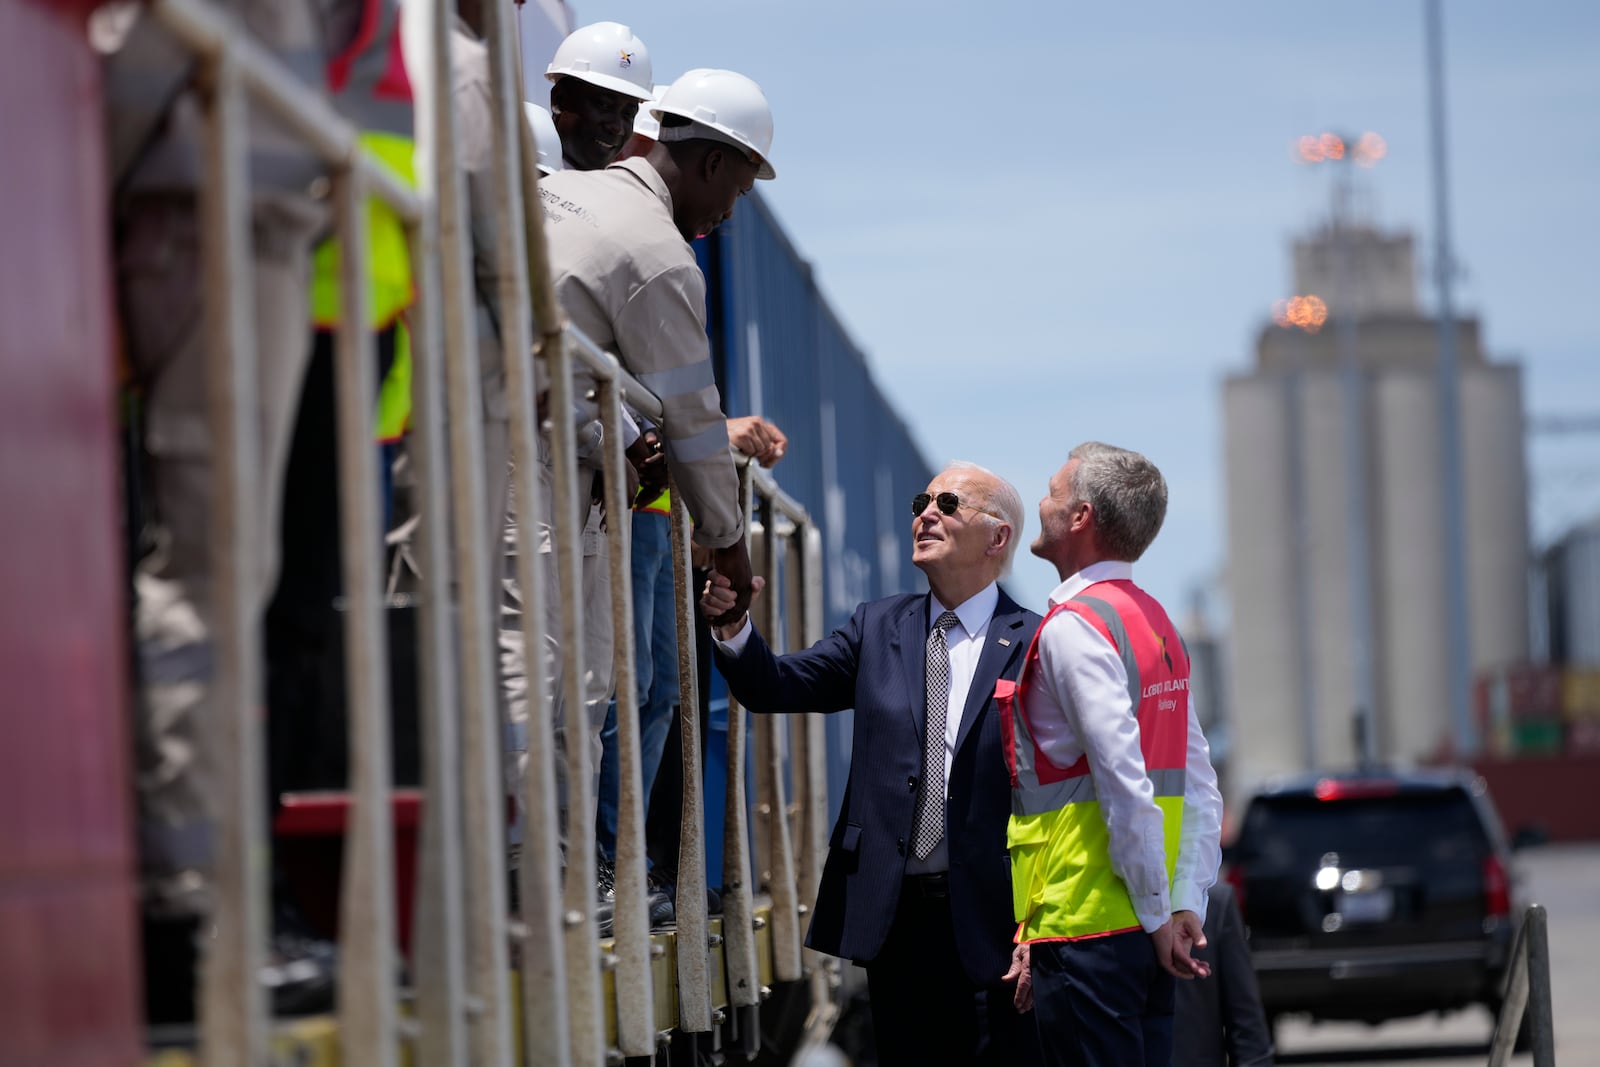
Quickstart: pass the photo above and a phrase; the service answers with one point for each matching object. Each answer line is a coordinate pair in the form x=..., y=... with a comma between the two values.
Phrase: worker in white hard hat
x=655, y=635
x=627, y=278
x=545, y=139
x=601, y=74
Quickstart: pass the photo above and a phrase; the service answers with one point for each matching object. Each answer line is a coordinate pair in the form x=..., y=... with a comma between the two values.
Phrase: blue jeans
x=655, y=642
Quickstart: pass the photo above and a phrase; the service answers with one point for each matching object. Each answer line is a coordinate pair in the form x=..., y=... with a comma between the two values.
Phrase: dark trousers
x=301, y=628
x=925, y=1008
x=1102, y=1002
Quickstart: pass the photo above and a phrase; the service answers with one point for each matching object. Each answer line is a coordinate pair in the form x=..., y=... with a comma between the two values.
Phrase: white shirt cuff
x=1186, y=896
x=734, y=645
x=1153, y=911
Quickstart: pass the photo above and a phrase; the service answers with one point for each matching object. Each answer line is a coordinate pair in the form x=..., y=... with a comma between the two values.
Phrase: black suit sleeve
x=822, y=678
x=1248, y=1038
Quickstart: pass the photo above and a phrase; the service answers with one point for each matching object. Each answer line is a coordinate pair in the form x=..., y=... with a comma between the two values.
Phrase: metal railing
x=463, y=1010
x=1527, y=995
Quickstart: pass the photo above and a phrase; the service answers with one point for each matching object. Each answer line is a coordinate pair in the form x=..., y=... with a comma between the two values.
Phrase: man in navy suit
x=917, y=884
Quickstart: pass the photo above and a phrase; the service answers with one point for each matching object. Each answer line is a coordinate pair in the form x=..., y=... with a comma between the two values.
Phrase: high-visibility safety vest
x=661, y=505
x=369, y=86
x=1062, y=884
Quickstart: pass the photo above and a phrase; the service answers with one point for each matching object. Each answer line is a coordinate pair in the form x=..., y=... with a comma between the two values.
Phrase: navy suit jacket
x=875, y=664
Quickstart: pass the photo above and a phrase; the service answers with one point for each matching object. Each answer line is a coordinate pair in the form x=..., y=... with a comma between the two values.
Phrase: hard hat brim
x=766, y=173
x=604, y=81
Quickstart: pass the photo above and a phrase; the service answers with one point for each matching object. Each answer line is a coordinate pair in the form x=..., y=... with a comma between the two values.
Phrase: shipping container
x=1580, y=693
x=1533, y=691
x=1537, y=737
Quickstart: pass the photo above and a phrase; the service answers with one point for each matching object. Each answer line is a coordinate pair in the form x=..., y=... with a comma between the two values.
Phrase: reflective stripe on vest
x=1063, y=885
x=369, y=86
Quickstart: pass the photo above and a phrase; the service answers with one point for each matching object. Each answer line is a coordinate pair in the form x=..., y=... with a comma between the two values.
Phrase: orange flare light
x=1369, y=149
x=1331, y=148
x=1307, y=313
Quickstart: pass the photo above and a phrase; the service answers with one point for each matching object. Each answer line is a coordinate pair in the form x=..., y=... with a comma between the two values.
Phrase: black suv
x=1375, y=895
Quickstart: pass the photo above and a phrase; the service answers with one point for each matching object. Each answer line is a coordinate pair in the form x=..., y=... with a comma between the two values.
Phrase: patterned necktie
x=930, y=811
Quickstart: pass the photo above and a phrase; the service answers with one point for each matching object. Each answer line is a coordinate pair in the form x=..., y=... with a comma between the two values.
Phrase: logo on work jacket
x=1164, y=653
x=626, y=59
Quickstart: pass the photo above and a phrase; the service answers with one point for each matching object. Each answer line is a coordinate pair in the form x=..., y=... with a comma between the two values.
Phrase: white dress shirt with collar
x=1079, y=706
x=965, y=643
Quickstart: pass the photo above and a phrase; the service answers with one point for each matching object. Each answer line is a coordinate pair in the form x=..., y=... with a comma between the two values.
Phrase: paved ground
x=1566, y=880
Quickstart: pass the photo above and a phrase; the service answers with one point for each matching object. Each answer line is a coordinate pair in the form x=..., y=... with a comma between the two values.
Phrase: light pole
x=1305, y=314
x=1457, y=624
x=1365, y=151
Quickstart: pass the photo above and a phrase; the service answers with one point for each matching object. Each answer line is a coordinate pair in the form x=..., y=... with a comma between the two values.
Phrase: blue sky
x=1054, y=222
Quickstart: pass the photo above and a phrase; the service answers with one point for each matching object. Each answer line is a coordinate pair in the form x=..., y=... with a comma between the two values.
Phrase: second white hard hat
x=644, y=123
x=606, y=54
x=545, y=138
x=725, y=102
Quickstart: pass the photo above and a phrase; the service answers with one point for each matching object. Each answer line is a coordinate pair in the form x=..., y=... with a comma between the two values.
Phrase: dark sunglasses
x=948, y=503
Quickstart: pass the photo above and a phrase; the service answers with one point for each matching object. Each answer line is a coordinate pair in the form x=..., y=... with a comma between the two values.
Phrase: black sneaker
x=669, y=880
x=605, y=895
x=301, y=970
x=301, y=975
x=662, y=912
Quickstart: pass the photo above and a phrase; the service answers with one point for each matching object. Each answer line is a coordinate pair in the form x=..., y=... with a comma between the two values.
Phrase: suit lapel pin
x=1005, y=641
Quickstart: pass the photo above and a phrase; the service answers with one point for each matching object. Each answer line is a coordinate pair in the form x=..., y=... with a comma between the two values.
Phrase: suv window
x=1296, y=831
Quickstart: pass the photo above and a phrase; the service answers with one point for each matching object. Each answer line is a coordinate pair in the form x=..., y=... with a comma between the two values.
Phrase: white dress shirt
x=1079, y=706
x=965, y=643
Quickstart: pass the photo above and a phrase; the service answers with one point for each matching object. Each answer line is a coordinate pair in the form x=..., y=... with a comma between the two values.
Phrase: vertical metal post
x=1541, y=1018
x=804, y=740
x=636, y=1032
x=543, y=965
x=440, y=956
x=785, y=901
x=693, y=939
x=1358, y=530
x=738, y=911
x=367, y=1002
x=764, y=617
x=483, y=803
x=814, y=840
x=799, y=733
x=1457, y=620
x=232, y=1001
x=571, y=508
x=1526, y=998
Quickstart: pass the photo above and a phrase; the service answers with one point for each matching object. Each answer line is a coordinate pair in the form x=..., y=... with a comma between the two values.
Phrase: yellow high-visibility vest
x=1062, y=884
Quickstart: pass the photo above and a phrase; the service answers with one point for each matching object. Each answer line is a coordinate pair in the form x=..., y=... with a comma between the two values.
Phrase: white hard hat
x=606, y=54
x=646, y=124
x=545, y=138
x=725, y=103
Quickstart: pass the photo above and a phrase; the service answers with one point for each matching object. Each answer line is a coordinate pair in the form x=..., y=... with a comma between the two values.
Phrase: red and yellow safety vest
x=370, y=87
x=1062, y=883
